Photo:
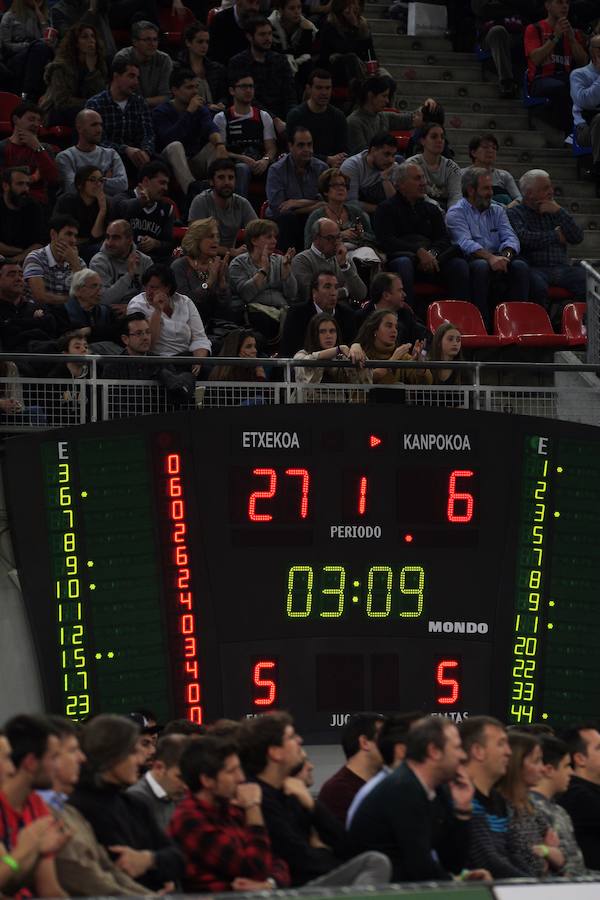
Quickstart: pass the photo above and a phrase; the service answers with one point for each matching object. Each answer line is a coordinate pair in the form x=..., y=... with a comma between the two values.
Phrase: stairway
x=428, y=67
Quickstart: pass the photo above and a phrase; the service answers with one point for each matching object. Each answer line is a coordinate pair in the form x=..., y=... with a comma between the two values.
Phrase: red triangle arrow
x=374, y=441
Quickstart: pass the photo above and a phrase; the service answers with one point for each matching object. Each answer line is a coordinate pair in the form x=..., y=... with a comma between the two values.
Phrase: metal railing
x=592, y=313
x=569, y=391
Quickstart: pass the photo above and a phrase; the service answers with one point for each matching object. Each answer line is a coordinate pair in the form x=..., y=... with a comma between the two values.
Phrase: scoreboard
x=323, y=559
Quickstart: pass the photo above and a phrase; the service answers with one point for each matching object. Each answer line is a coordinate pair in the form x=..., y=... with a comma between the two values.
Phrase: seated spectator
x=378, y=336
x=120, y=265
x=446, y=347
x=555, y=778
x=324, y=298
x=34, y=749
x=545, y=230
x=23, y=148
x=219, y=202
x=211, y=75
x=162, y=786
x=22, y=226
x=293, y=35
x=150, y=216
x=553, y=49
x=370, y=116
x=220, y=826
x=120, y=820
x=387, y=293
x=429, y=113
x=126, y=118
x=185, y=131
x=25, y=50
x=419, y=816
x=83, y=311
x=585, y=93
x=89, y=206
x=442, y=175
x=242, y=343
x=326, y=123
x=48, y=271
x=302, y=831
x=175, y=323
x=66, y=13
x=247, y=132
x=345, y=42
x=293, y=188
x=354, y=223
x=411, y=231
x=532, y=844
x=125, y=12
x=154, y=65
x=263, y=279
x=227, y=35
x=77, y=72
x=500, y=31
x=486, y=744
x=323, y=342
x=202, y=274
x=483, y=149
x=391, y=740
x=580, y=800
x=274, y=88
x=484, y=234
x=21, y=321
x=88, y=152
x=327, y=253
x=363, y=760
x=370, y=172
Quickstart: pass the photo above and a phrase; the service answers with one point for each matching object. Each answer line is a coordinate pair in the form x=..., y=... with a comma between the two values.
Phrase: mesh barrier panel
x=593, y=314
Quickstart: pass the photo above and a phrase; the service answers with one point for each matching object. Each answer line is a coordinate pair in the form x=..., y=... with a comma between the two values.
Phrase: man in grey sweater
x=88, y=152
x=327, y=253
x=154, y=65
x=162, y=786
x=119, y=265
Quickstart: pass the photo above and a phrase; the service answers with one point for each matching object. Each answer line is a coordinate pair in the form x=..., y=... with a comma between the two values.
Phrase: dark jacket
x=216, y=76
x=410, y=329
x=18, y=325
x=226, y=36
x=118, y=817
x=274, y=88
x=296, y=323
x=582, y=802
x=403, y=228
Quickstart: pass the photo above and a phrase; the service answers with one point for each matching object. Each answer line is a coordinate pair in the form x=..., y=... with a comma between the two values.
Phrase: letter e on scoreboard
x=543, y=446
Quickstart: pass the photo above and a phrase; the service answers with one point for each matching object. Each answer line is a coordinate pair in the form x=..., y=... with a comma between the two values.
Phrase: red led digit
x=454, y=497
x=452, y=683
x=173, y=463
x=262, y=495
x=303, y=474
x=362, y=495
x=264, y=665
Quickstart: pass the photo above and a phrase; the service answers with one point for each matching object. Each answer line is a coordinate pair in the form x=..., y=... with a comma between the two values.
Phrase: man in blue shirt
x=585, y=93
x=482, y=231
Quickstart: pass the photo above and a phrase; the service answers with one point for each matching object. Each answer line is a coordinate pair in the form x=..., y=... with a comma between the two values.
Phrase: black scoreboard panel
x=323, y=559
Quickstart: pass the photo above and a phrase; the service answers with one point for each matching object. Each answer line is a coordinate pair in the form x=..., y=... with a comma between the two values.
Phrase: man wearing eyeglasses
x=327, y=253
x=155, y=67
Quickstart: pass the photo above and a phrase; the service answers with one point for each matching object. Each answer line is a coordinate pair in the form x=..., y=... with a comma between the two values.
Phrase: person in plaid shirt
x=220, y=826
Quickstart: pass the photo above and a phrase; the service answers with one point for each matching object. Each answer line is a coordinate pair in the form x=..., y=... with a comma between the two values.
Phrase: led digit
x=454, y=497
x=389, y=578
x=265, y=666
x=448, y=699
x=417, y=591
x=362, y=495
x=262, y=495
x=339, y=590
x=305, y=482
x=304, y=575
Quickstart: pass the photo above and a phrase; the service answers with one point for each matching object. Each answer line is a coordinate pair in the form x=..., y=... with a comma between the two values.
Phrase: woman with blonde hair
x=77, y=72
x=201, y=273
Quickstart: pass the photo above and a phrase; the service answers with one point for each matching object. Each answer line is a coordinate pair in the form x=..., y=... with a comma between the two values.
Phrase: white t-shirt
x=267, y=123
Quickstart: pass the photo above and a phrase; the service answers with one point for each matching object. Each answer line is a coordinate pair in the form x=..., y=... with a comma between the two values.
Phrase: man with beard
x=219, y=202
x=21, y=218
x=120, y=265
x=23, y=148
x=485, y=236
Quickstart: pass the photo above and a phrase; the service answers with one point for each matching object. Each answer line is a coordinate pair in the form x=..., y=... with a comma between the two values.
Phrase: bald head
x=89, y=128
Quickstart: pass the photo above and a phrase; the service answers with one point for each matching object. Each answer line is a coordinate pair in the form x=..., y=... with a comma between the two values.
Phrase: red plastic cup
x=372, y=67
x=50, y=35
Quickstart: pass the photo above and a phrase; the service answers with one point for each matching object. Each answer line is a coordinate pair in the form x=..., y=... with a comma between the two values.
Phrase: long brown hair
x=368, y=329
x=511, y=785
x=231, y=346
x=435, y=353
x=67, y=49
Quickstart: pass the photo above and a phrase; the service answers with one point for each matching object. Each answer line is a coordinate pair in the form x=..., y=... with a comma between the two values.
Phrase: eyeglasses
x=95, y=179
x=148, y=40
x=340, y=184
x=140, y=333
x=245, y=86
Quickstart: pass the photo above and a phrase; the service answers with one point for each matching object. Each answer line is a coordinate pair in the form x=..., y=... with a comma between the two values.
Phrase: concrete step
x=483, y=121
x=460, y=137
x=475, y=91
x=590, y=245
x=458, y=105
x=577, y=190
x=464, y=75
x=388, y=47
x=581, y=206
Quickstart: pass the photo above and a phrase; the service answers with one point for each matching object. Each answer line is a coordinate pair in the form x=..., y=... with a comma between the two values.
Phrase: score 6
x=454, y=496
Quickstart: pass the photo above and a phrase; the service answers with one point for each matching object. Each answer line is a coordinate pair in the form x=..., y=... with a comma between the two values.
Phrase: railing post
x=94, y=389
x=477, y=386
x=288, y=382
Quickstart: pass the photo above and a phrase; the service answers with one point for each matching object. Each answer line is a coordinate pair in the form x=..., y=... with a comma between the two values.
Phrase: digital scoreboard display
x=323, y=559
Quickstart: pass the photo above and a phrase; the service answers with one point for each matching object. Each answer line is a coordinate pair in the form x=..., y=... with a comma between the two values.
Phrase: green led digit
x=373, y=571
x=414, y=591
x=305, y=576
x=339, y=590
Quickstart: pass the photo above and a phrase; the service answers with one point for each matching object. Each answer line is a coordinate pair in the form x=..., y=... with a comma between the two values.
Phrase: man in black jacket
x=227, y=35
x=582, y=799
x=410, y=229
x=387, y=292
x=270, y=751
x=324, y=291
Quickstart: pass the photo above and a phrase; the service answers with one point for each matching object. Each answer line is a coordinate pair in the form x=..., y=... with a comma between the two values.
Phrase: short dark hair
x=381, y=284
x=183, y=726
x=553, y=749
x=478, y=139
x=193, y=29
x=165, y=273
x=323, y=74
x=62, y=220
x=430, y=730
x=180, y=75
x=363, y=723
x=574, y=740
x=394, y=731
x=383, y=139
x=7, y=174
x=6, y=261
x=25, y=107
x=62, y=343
x=82, y=175
x=472, y=730
x=132, y=317
x=27, y=734
x=220, y=165
x=120, y=64
x=62, y=726
x=316, y=279
x=256, y=22
x=169, y=749
x=258, y=735
x=204, y=755
x=236, y=75
x=374, y=84
x=152, y=169
x=293, y=131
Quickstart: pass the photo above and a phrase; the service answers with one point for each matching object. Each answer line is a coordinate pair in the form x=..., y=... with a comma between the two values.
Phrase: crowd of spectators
x=119, y=805
x=210, y=186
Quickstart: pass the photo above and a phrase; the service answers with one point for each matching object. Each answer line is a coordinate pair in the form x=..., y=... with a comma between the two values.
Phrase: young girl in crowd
x=377, y=336
x=323, y=342
x=442, y=175
x=446, y=347
x=242, y=343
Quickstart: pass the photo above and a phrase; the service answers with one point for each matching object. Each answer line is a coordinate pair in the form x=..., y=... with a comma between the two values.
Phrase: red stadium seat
x=557, y=294
x=402, y=139
x=179, y=232
x=172, y=26
x=573, y=325
x=467, y=319
x=526, y=324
